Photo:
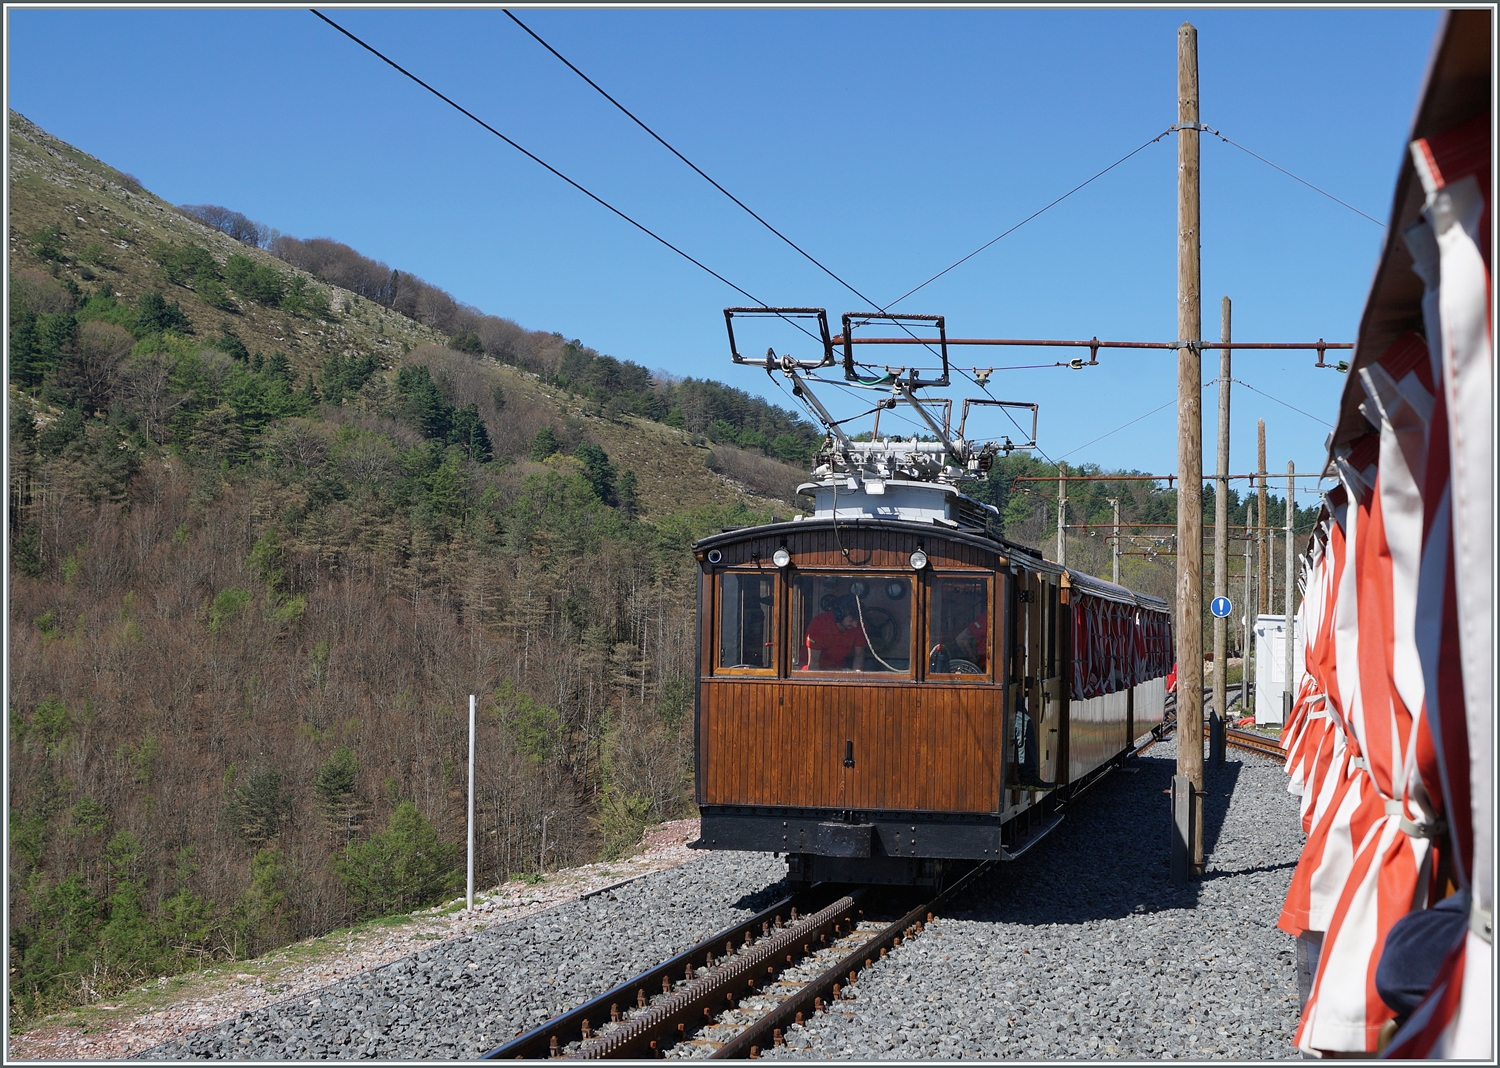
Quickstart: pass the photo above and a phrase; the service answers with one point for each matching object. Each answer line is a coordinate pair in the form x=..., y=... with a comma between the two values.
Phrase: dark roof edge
x=1455, y=87
x=1080, y=580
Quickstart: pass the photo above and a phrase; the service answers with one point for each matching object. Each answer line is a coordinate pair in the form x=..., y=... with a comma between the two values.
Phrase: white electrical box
x=1270, y=665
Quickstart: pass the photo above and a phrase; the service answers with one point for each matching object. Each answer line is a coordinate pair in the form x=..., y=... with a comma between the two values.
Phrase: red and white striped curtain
x=1454, y=619
x=1391, y=730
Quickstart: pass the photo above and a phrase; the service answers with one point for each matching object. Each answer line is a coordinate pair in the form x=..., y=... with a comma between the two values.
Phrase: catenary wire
x=756, y=216
x=1117, y=429
x=1281, y=402
x=1289, y=174
x=748, y=295
x=543, y=163
x=1033, y=215
x=702, y=174
x=1137, y=419
x=698, y=170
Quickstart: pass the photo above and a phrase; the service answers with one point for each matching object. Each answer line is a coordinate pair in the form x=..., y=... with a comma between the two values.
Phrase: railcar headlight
x=714, y=556
x=918, y=560
x=781, y=558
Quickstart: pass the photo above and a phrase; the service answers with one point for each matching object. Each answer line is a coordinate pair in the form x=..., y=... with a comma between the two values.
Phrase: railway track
x=736, y=993
x=1254, y=743
x=1246, y=740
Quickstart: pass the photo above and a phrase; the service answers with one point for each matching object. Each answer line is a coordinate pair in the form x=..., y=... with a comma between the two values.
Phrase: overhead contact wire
x=541, y=162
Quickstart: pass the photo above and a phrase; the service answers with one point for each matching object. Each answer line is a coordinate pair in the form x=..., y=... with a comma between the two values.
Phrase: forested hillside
x=268, y=533
x=275, y=510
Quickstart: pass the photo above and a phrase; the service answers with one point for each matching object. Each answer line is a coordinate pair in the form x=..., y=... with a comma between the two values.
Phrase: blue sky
x=886, y=142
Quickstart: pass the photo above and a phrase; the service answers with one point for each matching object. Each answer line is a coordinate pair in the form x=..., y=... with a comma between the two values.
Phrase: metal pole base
x=1183, y=813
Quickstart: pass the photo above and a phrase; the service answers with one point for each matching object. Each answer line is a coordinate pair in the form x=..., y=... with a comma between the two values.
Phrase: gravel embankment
x=1081, y=949
x=459, y=999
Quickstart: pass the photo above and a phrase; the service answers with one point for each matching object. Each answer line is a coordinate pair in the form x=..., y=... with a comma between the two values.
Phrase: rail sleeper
x=634, y=1037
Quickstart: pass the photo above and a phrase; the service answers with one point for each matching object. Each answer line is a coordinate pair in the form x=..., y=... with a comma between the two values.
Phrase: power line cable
x=698, y=170
x=1281, y=402
x=1033, y=215
x=702, y=174
x=1289, y=174
x=538, y=160
x=1117, y=429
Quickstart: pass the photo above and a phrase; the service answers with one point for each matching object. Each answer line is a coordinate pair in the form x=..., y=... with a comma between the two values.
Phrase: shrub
x=46, y=243
x=261, y=283
x=398, y=869
x=156, y=316
x=544, y=444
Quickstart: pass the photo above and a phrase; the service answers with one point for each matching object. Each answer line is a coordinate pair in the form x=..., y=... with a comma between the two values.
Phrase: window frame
x=794, y=642
x=950, y=678
x=716, y=622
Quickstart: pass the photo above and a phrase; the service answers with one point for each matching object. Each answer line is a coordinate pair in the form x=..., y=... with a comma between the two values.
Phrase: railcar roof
x=1079, y=580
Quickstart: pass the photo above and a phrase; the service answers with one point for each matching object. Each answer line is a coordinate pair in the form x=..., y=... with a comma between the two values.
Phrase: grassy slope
x=53, y=183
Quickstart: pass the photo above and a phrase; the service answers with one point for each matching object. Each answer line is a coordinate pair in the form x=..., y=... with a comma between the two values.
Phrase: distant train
x=884, y=688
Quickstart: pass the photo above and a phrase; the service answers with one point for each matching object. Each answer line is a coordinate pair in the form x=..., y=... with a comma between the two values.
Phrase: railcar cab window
x=849, y=623
x=958, y=627
x=747, y=623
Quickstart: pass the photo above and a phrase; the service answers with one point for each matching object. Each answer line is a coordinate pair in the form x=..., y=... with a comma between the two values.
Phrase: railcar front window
x=747, y=622
x=849, y=623
x=958, y=627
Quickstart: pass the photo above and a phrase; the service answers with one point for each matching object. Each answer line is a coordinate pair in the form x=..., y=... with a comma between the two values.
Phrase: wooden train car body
x=977, y=686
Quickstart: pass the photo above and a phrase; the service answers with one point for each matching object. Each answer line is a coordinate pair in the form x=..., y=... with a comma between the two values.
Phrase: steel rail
x=542, y=1041
x=1254, y=743
x=647, y=1032
x=749, y=1042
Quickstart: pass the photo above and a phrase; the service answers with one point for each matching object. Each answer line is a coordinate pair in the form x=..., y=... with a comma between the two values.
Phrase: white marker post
x=470, y=899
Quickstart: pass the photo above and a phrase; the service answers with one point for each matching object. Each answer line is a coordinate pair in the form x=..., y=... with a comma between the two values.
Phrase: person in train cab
x=973, y=642
x=834, y=640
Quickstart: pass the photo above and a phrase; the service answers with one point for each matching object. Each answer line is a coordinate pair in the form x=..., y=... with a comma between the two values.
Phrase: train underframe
x=883, y=847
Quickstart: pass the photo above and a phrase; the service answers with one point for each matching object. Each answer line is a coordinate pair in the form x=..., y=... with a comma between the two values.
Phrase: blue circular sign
x=1221, y=607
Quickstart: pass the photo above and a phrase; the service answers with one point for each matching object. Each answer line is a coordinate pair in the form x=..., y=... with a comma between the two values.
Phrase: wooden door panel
x=940, y=756
x=766, y=743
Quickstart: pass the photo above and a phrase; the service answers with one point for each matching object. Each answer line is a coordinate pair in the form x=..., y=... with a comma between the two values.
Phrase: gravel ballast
x=1080, y=949
x=461, y=998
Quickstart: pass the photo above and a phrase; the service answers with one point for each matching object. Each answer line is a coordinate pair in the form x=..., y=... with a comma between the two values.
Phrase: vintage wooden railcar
x=982, y=686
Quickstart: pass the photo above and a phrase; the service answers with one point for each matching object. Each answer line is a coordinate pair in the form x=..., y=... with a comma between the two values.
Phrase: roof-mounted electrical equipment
x=866, y=374
x=795, y=317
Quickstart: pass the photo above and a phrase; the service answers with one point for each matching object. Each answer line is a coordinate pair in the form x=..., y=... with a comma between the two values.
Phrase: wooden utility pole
x=1221, y=549
x=1249, y=612
x=1288, y=688
x=1263, y=597
x=1062, y=514
x=1114, y=573
x=1187, y=784
x=1270, y=593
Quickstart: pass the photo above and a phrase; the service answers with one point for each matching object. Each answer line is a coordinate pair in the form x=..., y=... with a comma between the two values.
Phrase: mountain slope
x=267, y=536
x=107, y=227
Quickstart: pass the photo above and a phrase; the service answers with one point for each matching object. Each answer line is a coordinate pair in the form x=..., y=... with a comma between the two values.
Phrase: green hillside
x=276, y=510
x=268, y=533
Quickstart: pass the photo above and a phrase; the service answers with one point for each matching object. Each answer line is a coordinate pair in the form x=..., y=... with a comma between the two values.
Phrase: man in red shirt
x=973, y=642
x=835, y=637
